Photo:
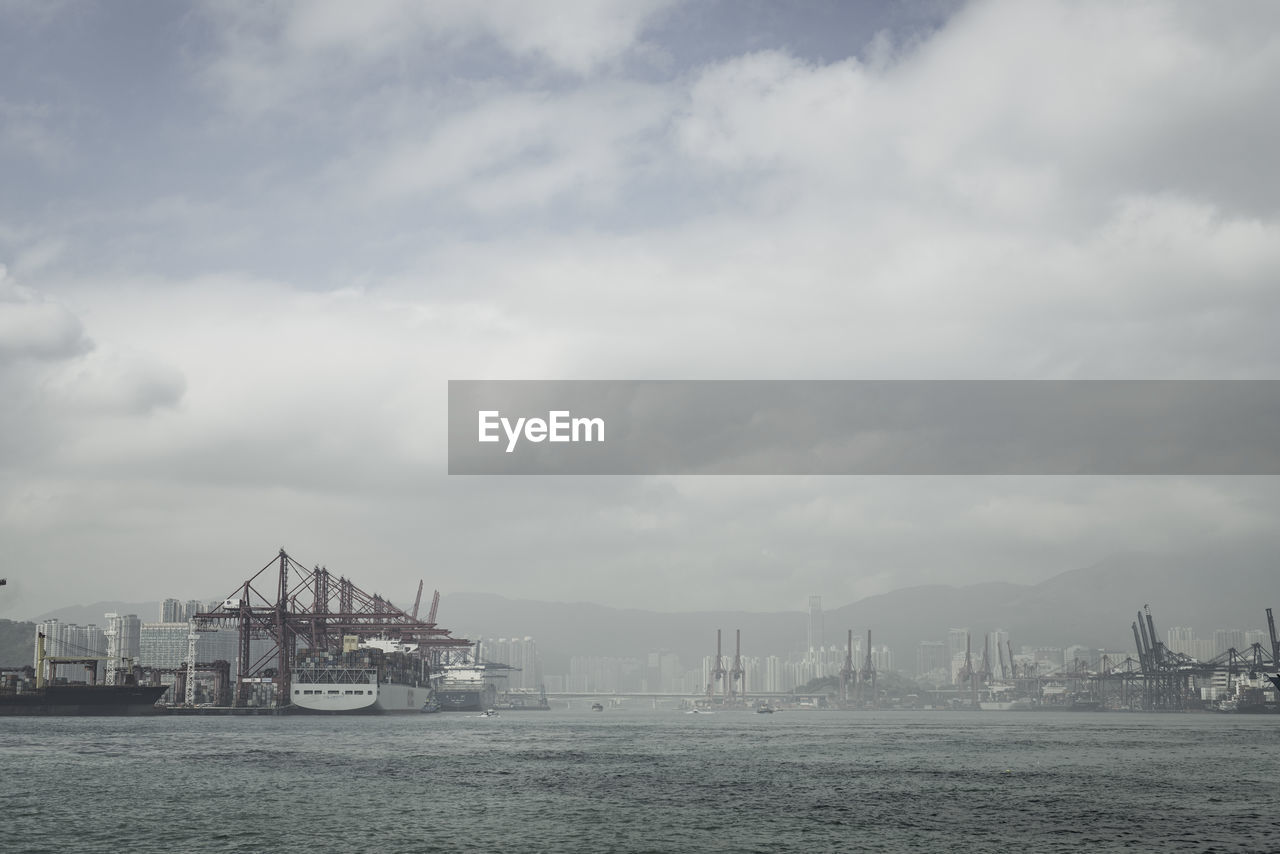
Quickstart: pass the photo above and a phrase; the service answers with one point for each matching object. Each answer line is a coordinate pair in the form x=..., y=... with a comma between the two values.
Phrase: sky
x=244, y=246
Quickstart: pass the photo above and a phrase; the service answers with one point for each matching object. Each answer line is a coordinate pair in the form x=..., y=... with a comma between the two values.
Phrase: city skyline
x=164, y=644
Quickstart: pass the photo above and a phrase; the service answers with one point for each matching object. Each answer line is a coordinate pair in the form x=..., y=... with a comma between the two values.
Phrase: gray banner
x=816, y=427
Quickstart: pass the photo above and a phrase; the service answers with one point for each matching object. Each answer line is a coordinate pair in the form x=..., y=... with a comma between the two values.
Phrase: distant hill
x=17, y=643
x=84, y=615
x=1093, y=606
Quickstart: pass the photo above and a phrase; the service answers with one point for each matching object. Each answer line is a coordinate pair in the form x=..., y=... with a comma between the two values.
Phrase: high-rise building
x=70, y=640
x=171, y=611
x=165, y=645
x=1048, y=658
x=591, y=674
x=1000, y=655
x=521, y=653
x=1225, y=639
x=815, y=625
x=773, y=676
x=1181, y=639
x=882, y=658
x=122, y=642
x=932, y=656
x=1076, y=653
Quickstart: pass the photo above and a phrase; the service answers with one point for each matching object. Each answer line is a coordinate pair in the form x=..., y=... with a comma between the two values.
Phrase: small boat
x=597, y=707
x=765, y=710
x=489, y=713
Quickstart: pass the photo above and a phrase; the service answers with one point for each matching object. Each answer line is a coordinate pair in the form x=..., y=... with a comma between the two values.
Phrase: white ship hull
x=367, y=699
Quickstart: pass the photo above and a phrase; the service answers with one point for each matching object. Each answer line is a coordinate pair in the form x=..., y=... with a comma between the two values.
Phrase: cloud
x=35, y=327
x=527, y=149
x=1010, y=101
x=328, y=211
x=111, y=382
x=272, y=54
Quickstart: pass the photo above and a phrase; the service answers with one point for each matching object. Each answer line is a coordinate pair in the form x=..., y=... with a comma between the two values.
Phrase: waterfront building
x=999, y=655
x=815, y=625
x=515, y=652
x=932, y=657
x=1073, y=654
x=603, y=675
x=1181, y=639
x=881, y=658
x=164, y=645
x=1225, y=639
x=122, y=634
x=1048, y=658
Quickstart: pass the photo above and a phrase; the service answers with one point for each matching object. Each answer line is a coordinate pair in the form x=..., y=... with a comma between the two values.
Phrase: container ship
x=377, y=676
x=463, y=688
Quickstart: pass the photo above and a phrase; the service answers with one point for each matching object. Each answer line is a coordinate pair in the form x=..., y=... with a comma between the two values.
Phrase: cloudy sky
x=244, y=246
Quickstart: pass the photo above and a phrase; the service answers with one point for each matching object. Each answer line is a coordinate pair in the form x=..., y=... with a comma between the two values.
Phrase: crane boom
x=1275, y=644
x=435, y=603
x=1142, y=652
x=417, y=600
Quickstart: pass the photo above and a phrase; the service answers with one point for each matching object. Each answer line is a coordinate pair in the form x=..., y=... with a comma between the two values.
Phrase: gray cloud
x=33, y=327
x=286, y=227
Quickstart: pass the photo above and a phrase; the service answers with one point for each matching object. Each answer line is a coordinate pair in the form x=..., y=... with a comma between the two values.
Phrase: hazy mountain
x=84, y=615
x=17, y=643
x=1093, y=606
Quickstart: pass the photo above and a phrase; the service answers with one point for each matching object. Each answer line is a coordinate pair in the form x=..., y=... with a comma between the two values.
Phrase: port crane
x=735, y=687
x=847, y=673
x=718, y=672
x=868, y=675
x=417, y=600
x=288, y=605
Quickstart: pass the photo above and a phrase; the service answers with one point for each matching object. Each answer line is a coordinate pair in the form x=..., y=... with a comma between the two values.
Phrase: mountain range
x=1092, y=606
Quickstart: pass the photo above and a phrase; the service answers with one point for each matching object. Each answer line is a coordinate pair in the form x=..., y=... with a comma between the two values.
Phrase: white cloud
x=35, y=327
x=1012, y=109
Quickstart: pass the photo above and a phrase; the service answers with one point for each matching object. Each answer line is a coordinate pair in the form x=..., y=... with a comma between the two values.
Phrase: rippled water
x=578, y=781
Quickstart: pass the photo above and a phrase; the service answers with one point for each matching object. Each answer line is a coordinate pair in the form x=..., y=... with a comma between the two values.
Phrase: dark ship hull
x=84, y=700
x=470, y=699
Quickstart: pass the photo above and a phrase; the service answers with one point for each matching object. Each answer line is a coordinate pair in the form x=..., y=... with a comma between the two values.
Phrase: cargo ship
x=463, y=688
x=26, y=692
x=80, y=699
x=377, y=676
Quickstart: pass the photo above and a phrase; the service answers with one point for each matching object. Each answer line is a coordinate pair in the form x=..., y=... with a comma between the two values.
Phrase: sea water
x=644, y=780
